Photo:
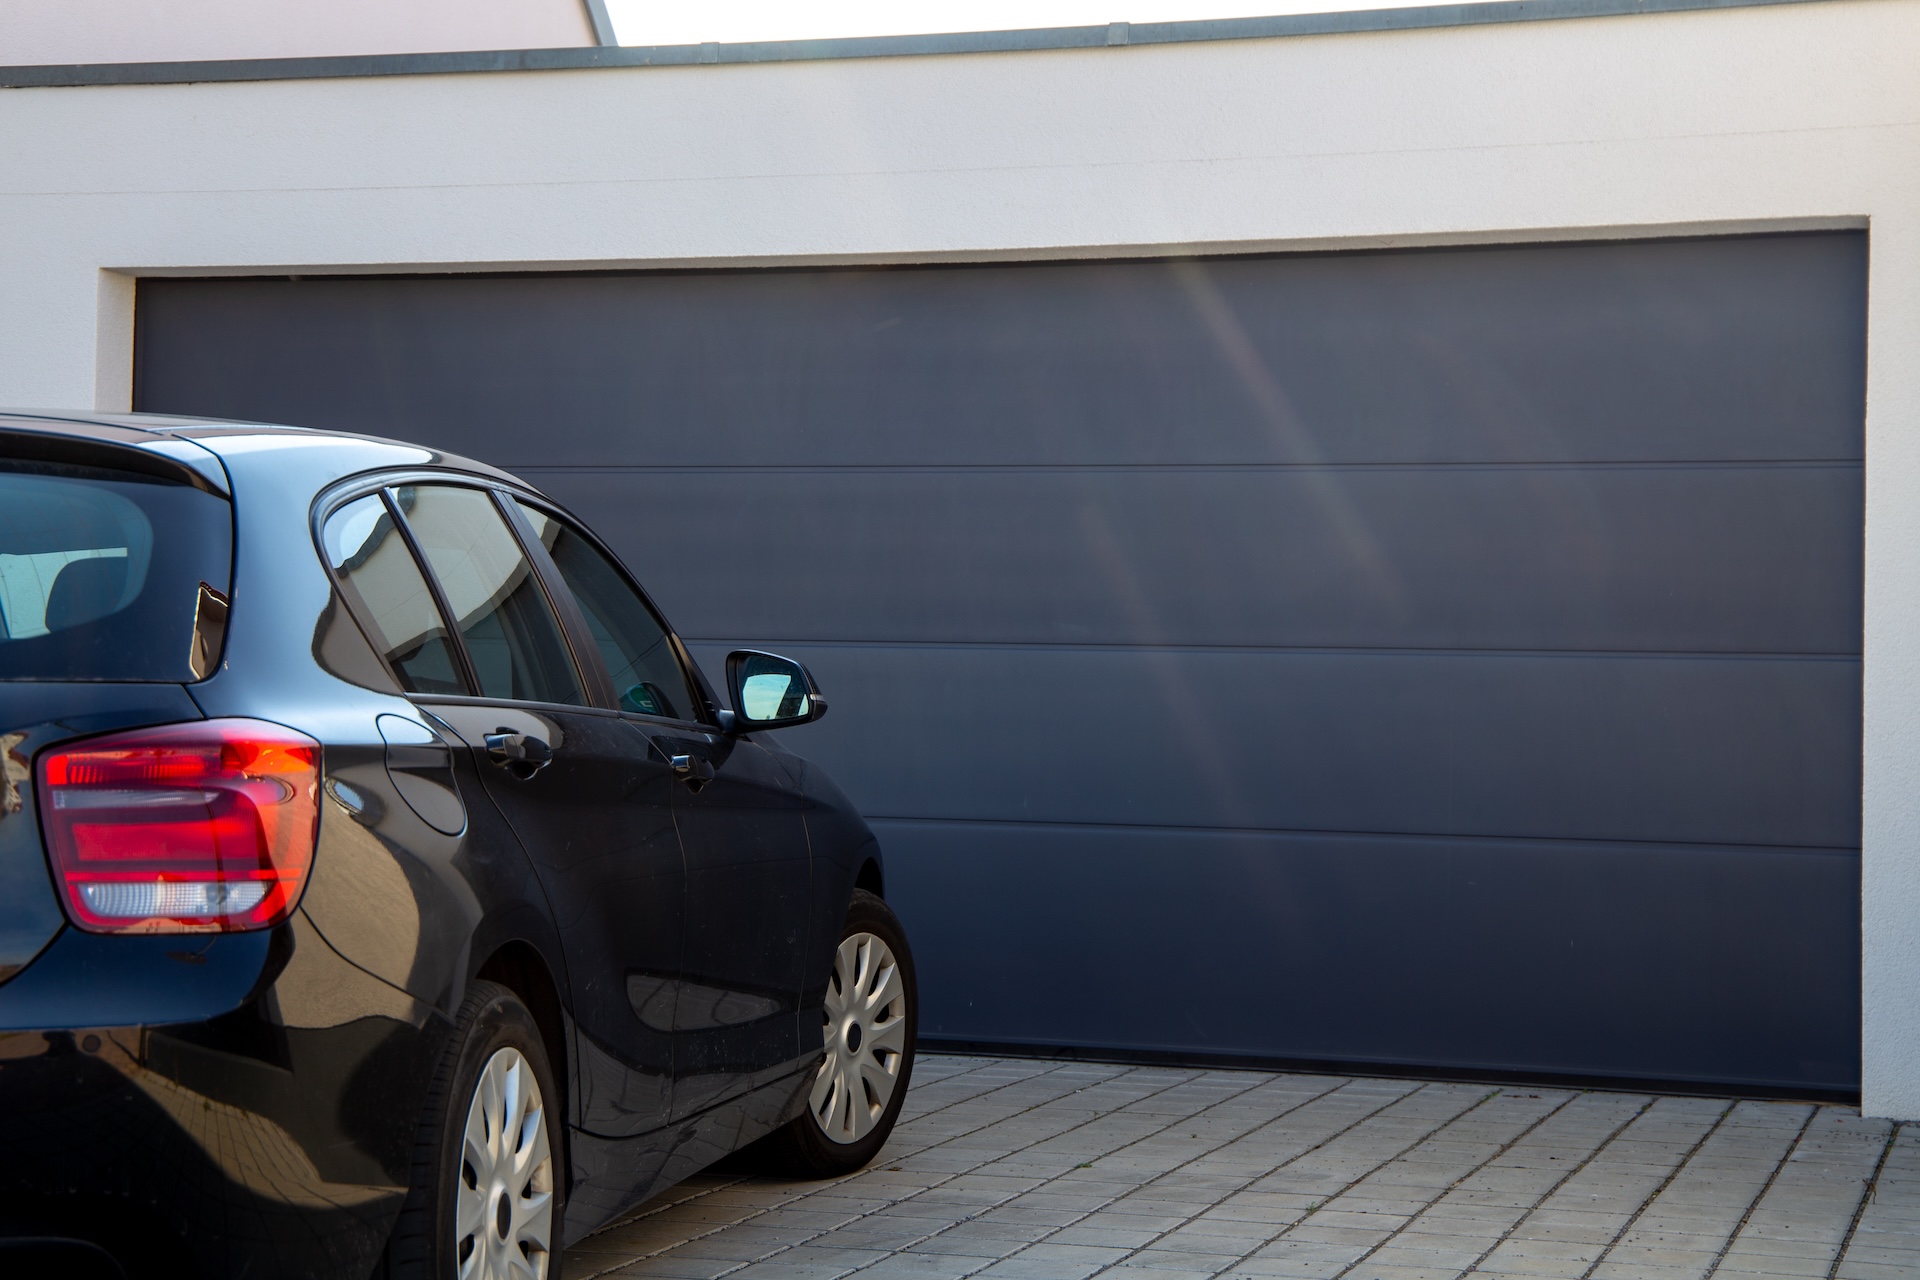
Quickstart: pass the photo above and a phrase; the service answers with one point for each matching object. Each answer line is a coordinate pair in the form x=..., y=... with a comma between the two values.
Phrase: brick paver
x=1028, y=1170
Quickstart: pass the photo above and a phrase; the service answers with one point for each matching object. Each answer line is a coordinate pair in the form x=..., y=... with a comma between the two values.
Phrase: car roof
x=130, y=428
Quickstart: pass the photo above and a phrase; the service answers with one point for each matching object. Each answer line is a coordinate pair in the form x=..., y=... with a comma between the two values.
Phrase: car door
x=742, y=835
x=589, y=802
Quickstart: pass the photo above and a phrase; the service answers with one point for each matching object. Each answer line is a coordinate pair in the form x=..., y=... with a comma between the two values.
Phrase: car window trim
x=381, y=484
x=481, y=700
x=541, y=583
x=690, y=672
x=596, y=679
x=352, y=488
x=711, y=704
x=455, y=640
x=329, y=504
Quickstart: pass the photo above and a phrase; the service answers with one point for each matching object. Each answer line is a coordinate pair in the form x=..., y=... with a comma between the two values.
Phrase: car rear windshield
x=109, y=575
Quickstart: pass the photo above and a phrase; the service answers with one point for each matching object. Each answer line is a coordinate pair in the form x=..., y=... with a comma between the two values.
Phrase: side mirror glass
x=771, y=692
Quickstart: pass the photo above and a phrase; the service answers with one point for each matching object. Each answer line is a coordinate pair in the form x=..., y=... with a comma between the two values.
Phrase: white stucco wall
x=71, y=31
x=1777, y=117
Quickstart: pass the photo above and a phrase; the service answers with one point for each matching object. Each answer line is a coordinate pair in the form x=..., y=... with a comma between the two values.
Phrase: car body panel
x=599, y=831
x=748, y=870
x=238, y=1102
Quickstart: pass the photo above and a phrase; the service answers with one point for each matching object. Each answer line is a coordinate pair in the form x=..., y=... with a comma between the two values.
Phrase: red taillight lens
x=185, y=828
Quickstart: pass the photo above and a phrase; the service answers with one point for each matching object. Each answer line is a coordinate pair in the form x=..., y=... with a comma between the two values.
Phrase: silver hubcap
x=503, y=1219
x=866, y=1034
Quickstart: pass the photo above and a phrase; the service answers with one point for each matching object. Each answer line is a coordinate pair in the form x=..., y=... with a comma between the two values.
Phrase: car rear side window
x=503, y=616
x=632, y=640
x=109, y=575
x=377, y=573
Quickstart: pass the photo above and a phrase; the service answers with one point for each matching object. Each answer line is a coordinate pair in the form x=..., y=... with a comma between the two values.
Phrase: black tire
x=802, y=1148
x=490, y=1019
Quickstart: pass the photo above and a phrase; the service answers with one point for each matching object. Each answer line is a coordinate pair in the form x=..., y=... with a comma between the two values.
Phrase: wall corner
x=113, y=343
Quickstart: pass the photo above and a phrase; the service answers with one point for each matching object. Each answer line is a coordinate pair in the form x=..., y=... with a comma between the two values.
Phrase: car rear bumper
x=213, y=1105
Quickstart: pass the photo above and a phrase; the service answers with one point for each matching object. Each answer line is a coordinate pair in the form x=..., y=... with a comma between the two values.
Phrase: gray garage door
x=1448, y=658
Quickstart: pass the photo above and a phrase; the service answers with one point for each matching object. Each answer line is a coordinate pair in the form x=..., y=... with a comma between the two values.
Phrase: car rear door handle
x=521, y=754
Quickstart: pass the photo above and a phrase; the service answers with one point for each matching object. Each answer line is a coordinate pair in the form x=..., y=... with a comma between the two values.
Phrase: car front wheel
x=867, y=1028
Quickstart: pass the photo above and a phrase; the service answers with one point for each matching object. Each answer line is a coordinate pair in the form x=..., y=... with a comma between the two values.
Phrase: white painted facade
x=1785, y=116
x=37, y=32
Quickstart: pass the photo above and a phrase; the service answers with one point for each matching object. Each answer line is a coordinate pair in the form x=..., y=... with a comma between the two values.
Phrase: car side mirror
x=771, y=692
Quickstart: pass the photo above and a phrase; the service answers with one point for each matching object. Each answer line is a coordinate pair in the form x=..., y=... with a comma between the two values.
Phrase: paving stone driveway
x=1054, y=1171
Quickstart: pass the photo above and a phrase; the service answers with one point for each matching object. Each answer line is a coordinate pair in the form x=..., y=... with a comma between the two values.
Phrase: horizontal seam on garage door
x=1358, y=651
x=1005, y=468
x=1816, y=850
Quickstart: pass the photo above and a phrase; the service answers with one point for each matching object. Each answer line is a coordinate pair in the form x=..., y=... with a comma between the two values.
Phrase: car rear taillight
x=186, y=828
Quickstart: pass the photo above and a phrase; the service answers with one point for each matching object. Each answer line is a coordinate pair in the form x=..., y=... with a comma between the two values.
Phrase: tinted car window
x=377, y=573
x=102, y=573
x=633, y=642
x=503, y=616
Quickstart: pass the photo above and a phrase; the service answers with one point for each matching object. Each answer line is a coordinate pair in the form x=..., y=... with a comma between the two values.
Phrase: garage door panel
x=1444, y=656
x=1659, y=559
x=1723, y=751
x=1726, y=965
x=1736, y=348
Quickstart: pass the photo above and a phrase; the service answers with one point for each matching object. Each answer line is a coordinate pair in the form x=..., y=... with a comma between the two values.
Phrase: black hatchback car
x=383, y=889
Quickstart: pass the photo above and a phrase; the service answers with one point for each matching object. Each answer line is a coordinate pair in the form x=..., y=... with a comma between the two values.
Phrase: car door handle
x=521, y=754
